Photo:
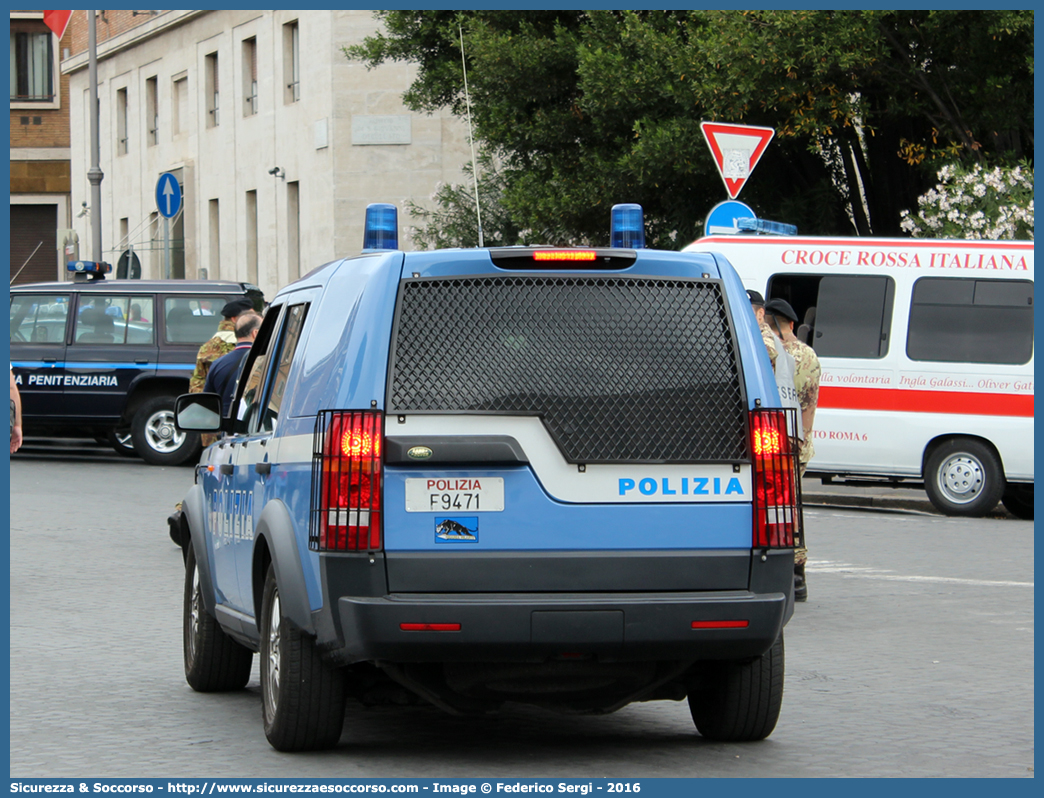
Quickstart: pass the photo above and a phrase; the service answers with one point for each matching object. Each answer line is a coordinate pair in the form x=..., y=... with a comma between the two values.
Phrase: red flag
x=57, y=21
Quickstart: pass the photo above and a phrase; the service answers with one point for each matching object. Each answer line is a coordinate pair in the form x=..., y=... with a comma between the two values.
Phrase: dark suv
x=107, y=358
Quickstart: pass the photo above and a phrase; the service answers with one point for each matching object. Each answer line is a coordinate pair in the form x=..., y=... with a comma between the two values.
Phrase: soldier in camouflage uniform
x=757, y=304
x=781, y=317
x=223, y=342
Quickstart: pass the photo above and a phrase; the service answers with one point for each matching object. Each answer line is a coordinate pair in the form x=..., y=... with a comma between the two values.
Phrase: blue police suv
x=553, y=476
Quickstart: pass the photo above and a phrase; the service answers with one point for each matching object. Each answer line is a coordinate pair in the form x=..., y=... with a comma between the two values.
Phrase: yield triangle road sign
x=736, y=150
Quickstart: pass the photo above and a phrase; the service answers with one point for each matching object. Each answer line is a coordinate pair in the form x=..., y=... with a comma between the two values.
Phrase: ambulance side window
x=962, y=319
x=842, y=315
x=251, y=378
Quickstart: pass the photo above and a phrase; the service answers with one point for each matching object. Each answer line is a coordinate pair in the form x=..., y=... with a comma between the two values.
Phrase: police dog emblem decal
x=456, y=530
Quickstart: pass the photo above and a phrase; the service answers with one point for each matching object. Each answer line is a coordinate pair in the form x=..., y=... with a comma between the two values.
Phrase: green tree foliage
x=587, y=109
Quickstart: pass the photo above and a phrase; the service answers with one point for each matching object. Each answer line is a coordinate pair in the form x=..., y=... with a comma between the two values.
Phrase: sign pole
x=166, y=247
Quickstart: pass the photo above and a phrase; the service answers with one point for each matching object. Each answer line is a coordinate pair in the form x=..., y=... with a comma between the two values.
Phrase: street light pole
x=94, y=174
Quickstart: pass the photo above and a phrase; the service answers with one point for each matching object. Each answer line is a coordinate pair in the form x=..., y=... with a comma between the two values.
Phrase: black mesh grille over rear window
x=620, y=369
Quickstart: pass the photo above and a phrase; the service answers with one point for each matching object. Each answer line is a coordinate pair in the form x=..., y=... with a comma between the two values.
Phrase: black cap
x=780, y=307
x=755, y=297
x=236, y=307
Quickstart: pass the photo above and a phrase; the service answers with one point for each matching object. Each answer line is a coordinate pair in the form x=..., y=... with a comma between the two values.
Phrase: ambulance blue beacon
x=555, y=476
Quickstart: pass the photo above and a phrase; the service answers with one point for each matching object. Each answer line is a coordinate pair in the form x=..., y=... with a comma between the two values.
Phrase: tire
x=156, y=440
x=963, y=476
x=739, y=701
x=121, y=441
x=214, y=662
x=1018, y=498
x=302, y=696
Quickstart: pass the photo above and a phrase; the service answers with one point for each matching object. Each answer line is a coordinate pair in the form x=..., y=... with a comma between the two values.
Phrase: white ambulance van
x=926, y=349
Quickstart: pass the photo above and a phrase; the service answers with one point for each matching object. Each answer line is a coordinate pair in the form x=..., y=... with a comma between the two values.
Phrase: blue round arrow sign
x=168, y=195
x=722, y=217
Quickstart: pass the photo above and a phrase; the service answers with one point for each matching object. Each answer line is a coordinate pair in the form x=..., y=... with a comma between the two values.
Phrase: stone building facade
x=277, y=140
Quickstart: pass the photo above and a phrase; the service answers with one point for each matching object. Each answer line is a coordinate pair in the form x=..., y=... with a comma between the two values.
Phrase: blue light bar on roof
x=627, y=226
x=382, y=227
x=90, y=267
x=765, y=227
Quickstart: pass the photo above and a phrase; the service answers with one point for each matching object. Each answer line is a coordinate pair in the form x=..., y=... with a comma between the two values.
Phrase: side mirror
x=198, y=412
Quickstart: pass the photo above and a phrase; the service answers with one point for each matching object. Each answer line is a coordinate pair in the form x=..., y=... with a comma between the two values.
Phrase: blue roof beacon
x=88, y=269
x=627, y=226
x=382, y=227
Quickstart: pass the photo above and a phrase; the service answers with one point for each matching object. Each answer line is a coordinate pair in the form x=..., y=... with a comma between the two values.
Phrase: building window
x=32, y=62
x=215, y=241
x=964, y=320
x=251, y=236
x=211, y=88
x=152, y=111
x=121, y=121
x=291, y=62
x=179, y=116
x=293, y=229
x=249, y=77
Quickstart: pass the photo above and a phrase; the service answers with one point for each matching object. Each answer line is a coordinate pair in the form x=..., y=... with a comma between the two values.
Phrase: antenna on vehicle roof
x=471, y=135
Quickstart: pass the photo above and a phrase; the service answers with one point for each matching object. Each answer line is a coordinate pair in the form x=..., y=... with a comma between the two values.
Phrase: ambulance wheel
x=739, y=701
x=214, y=662
x=1018, y=498
x=155, y=438
x=963, y=476
x=121, y=441
x=302, y=696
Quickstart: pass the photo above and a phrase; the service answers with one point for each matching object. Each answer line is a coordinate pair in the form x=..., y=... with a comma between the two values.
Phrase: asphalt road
x=912, y=657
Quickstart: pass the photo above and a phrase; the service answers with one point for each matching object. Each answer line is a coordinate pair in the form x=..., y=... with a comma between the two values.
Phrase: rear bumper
x=532, y=627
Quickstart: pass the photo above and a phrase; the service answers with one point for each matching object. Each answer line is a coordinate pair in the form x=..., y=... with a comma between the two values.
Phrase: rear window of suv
x=620, y=369
x=192, y=319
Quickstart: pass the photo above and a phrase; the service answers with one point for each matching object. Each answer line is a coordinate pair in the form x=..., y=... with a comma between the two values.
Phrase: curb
x=922, y=506
x=854, y=501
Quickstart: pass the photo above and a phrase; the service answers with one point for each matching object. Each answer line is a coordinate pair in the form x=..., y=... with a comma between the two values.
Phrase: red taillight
x=348, y=469
x=768, y=441
x=564, y=255
x=359, y=443
x=720, y=624
x=775, y=486
x=429, y=627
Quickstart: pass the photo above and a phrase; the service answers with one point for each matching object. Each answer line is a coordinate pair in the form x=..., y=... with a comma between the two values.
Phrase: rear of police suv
x=575, y=491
